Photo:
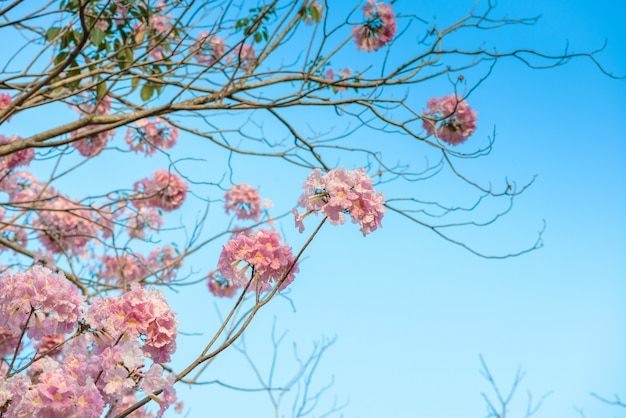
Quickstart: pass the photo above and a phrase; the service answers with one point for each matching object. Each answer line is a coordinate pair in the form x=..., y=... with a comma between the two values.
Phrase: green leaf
x=134, y=83
x=101, y=90
x=258, y=37
x=52, y=33
x=60, y=58
x=146, y=92
x=97, y=36
x=315, y=14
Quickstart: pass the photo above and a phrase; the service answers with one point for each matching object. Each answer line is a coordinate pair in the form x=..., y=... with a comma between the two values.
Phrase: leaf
x=52, y=33
x=134, y=83
x=146, y=92
x=139, y=37
x=315, y=14
x=97, y=36
x=101, y=90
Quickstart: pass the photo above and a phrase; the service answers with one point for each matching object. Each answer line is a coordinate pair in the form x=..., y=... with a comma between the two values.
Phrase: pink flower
x=246, y=55
x=94, y=144
x=5, y=101
x=340, y=192
x=450, y=118
x=221, y=287
x=244, y=200
x=215, y=46
x=15, y=159
x=164, y=190
x=264, y=254
x=144, y=219
x=343, y=74
x=122, y=269
x=379, y=28
x=148, y=137
x=65, y=226
x=44, y=302
x=137, y=313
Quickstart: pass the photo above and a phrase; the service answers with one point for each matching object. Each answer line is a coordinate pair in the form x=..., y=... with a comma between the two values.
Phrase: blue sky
x=411, y=313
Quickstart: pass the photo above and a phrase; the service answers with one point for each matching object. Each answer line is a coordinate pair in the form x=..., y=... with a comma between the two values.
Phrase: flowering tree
x=83, y=329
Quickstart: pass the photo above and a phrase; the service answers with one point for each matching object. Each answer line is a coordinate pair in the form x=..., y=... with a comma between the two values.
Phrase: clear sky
x=410, y=313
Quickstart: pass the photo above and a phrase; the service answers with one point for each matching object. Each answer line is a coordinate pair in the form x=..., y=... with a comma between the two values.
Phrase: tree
x=130, y=80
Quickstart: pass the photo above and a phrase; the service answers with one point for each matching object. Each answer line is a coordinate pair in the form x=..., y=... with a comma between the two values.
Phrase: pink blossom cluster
x=141, y=221
x=245, y=56
x=164, y=190
x=209, y=49
x=340, y=192
x=93, y=144
x=244, y=200
x=343, y=75
x=65, y=226
x=269, y=260
x=148, y=136
x=379, y=28
x=157, y=27
x=122, y=269
x=40, y=302
x=15, y=159
x=139, y=312
x=5, y=101
x=450, y=118
x=220, y=286
x=50, y=392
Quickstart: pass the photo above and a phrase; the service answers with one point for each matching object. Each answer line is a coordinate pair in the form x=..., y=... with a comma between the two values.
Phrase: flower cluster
x=164, y=190
x=141, y=221
x=139, y=312
x=220, y=286
x=340, y=192
x=5, y=101
x=379, y=28
x=148, y=137
x=15, y=159
x=213, y=45
x=65, y=226
x=104, y=362
x=244, y=200
x=450, y=118
x=52, y=392
x=39, y=301
x=156, y=30
x=246, y=56
x=271, y=261
x=343, y=74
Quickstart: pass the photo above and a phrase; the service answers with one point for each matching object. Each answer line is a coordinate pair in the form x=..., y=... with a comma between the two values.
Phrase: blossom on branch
x=261, y=254
x=148, y=137
x=214, y=45
x=379, y=28
x=164, y=190
x=450, y=118
x=40, y=301
x=15, y=159
x=340, y=192
x=244, y=200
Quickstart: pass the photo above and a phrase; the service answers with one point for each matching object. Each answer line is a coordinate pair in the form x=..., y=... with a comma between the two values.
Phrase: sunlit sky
x=410, y=314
